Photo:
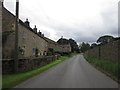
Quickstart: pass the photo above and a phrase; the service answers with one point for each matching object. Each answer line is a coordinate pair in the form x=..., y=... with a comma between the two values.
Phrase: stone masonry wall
x=109, y=51
x=8, y=35
x=29, y=41
x=26, y=64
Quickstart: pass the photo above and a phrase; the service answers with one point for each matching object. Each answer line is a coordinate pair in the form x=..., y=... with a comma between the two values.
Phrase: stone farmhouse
x=29, y=40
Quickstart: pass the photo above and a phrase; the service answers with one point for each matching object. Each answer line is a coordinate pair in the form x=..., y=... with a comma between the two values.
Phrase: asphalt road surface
x=75, y=72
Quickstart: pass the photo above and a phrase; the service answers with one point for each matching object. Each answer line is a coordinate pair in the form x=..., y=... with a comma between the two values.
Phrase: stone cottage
x=30, y=42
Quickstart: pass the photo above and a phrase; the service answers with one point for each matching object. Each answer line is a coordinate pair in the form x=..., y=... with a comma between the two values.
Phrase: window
x=33, y=51
x=34, y=39
x=24, y=35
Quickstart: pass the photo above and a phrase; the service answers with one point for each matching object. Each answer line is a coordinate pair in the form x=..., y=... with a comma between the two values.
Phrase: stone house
x=30, y=41
x=56, y=47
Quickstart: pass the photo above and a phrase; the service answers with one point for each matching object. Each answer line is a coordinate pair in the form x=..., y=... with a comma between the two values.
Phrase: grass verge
x=108, y=67
x=11, y=80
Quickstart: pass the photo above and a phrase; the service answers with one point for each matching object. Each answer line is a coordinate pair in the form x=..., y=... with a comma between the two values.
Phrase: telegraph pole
x=16, y=37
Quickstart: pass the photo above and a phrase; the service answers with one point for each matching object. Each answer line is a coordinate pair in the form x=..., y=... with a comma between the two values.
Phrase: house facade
x=30, y=42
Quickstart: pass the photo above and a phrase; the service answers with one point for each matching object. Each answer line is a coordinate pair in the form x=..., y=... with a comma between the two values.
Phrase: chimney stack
x=27, y=23
x=39, y=33
x=35, y=29
x=2, y=2
x=42, y=35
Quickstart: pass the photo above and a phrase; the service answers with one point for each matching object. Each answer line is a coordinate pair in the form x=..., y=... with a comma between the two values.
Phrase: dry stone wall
x=26, y=64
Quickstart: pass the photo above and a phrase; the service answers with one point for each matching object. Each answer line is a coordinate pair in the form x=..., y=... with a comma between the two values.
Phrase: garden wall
x=26, y=64
x=109, y=51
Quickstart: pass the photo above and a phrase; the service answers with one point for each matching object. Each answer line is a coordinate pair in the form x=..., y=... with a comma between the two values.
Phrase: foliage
x=72, y=54
x=109, y=67
x=74, y=46
x=84, y=47
x=50, y=51
x=36, y=52
x=93, y=45
x=105, y=39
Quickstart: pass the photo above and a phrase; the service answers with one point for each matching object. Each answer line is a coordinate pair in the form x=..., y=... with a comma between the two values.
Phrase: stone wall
x=26, y=64
x=56, y=47
x=8, y=45
x=28, y=41
x=109, y=51
x=8, y=20
x=60, y=48
x=8, y=35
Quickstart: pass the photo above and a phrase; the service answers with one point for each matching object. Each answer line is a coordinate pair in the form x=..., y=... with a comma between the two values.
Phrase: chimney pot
x=35, y=29
x=39, y=33
x=42, y=35
x=2, y=3
x=27, y=22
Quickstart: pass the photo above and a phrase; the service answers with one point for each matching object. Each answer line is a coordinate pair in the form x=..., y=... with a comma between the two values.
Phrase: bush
x=50, y=52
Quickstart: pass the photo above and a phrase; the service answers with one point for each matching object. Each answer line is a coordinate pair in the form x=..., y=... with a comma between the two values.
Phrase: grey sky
x=82, y=20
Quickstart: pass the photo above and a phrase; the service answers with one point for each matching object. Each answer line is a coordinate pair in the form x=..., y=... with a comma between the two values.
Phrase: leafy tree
x=93, y=45
x=74, y=46
x=105, y=39
x=84, y=46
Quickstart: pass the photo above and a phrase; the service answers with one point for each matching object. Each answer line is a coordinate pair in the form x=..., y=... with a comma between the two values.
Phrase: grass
x=11, y=80
x=110, y=68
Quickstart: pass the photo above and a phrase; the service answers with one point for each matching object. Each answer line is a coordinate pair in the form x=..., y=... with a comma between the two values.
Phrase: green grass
x=109, y=67
x=11, y=80
x=73, y=54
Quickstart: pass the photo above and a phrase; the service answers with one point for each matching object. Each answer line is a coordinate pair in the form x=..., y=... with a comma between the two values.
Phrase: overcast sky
x=82, y=20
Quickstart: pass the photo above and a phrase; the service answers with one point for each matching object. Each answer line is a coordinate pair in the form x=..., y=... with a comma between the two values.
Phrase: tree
x=105, y=39
x=74, y=46
x=84, y=47
x=93, y=45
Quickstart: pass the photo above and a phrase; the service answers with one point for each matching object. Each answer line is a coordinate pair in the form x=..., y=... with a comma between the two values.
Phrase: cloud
x=82, y=20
